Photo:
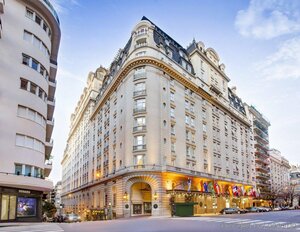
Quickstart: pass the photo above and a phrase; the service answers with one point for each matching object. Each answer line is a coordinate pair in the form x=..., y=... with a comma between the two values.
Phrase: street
x=271, y=221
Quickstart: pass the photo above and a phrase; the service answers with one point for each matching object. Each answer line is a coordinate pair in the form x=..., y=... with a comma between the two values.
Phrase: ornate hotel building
x=160, y=126
x=280, y=171
x=260, y=128
x=29, y=42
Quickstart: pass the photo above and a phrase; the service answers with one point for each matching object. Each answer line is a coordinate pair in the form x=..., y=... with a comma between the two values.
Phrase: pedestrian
x=105, y=213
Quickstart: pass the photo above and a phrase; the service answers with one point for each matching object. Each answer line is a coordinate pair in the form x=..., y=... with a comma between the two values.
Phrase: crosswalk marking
x=33, y=228
x=246, y=222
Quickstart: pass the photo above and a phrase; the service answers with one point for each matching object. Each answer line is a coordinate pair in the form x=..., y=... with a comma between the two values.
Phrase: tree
x=49, y=208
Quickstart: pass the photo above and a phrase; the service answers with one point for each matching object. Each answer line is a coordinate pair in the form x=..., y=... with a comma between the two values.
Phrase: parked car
x=72, y=217
x=242, y=210
x=264, y=209
x=254, y=209
x=284, y=208
x=230, y=211
x=277, y=209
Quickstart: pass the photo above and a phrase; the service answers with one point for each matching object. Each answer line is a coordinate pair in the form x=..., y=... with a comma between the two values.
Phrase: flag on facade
x=189, y=183
x=205, y=187
x=201, y=186
x=217, y=188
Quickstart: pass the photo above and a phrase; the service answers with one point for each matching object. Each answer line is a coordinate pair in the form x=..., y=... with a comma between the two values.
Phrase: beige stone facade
x=29, y=41
x=280, y=171
x=163, y=127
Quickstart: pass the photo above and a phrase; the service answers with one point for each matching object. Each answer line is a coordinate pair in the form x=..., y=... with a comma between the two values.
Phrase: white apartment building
x=29, y=42
x=260, y=130
x=161, y=127
x=279, y=171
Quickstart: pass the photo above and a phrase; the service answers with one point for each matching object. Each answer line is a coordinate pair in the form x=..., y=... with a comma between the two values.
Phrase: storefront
x=208, y=196
x=20, y=205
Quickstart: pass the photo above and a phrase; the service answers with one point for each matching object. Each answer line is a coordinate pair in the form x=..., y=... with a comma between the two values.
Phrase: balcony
x=51, y=106
x=139, y=45
x=48, y=149
x=262, y=139
x=139, y=128
x=262, y=168
x=52, y=88
x=49, y=128
x=139, y=110
x=140, y=75
x=25, y=182
x=47, y=168
x=2, y=2
x=139, y=93
x=139, y=147
x=216, y=89
x=264, y=176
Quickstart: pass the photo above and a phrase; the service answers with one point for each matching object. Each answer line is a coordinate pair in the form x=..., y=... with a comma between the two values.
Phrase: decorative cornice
x=171, y=72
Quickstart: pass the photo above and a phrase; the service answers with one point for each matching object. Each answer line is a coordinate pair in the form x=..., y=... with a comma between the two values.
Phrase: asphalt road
x=282, y=221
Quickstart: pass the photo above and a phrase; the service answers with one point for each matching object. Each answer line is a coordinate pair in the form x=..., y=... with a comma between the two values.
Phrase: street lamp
x=125, y=196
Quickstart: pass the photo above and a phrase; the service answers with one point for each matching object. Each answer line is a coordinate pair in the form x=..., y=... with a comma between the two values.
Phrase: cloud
x=62, y=6
x=284, y=63
x=269, y=18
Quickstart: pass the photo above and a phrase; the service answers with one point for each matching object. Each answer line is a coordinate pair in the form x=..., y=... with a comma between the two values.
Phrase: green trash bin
x=184, y=209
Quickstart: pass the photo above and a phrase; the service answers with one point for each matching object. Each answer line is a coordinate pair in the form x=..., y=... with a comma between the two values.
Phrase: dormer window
x=169, y=52
x=142, y=31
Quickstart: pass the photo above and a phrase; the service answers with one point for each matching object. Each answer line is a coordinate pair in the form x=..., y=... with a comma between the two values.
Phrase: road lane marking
x=247, y=222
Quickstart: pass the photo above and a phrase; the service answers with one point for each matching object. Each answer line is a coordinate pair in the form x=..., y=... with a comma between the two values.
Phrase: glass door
x=8, y=209
x=147, y=207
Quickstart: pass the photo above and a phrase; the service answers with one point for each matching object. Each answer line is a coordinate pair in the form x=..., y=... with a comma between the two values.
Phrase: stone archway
x=141, y=199
x=141, y=192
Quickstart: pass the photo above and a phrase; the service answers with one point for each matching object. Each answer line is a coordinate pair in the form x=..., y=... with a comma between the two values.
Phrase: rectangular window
x=24, y=84
x=187, y=119
x=172, y=113
x=38, y=19
x=29, y=142
x=36, y=42
x=18, y=169
x=35, y=64
x=140, y=86
x=172, y=96
x=140, y=121
x=22, y=111
x=140, y=103
x=33, y=88
x=29, y=13
x=139, y=140
x=187, y=105
x=139, y=160
x=26, y=60
x=42, y=70
x=41, y=93
x=45, y=27
x=192, y=122
x=173, y=147
x=27, y=170
x=31, y=114
x=20, y=140
x=27, y=36
x=173, y=129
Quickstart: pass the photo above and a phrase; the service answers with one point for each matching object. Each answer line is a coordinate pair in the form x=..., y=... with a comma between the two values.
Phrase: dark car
x=243, y=210
x=254, y=209
x=229, y=211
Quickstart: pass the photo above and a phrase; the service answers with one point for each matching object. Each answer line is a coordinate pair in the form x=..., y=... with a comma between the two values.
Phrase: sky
x=258, y=41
